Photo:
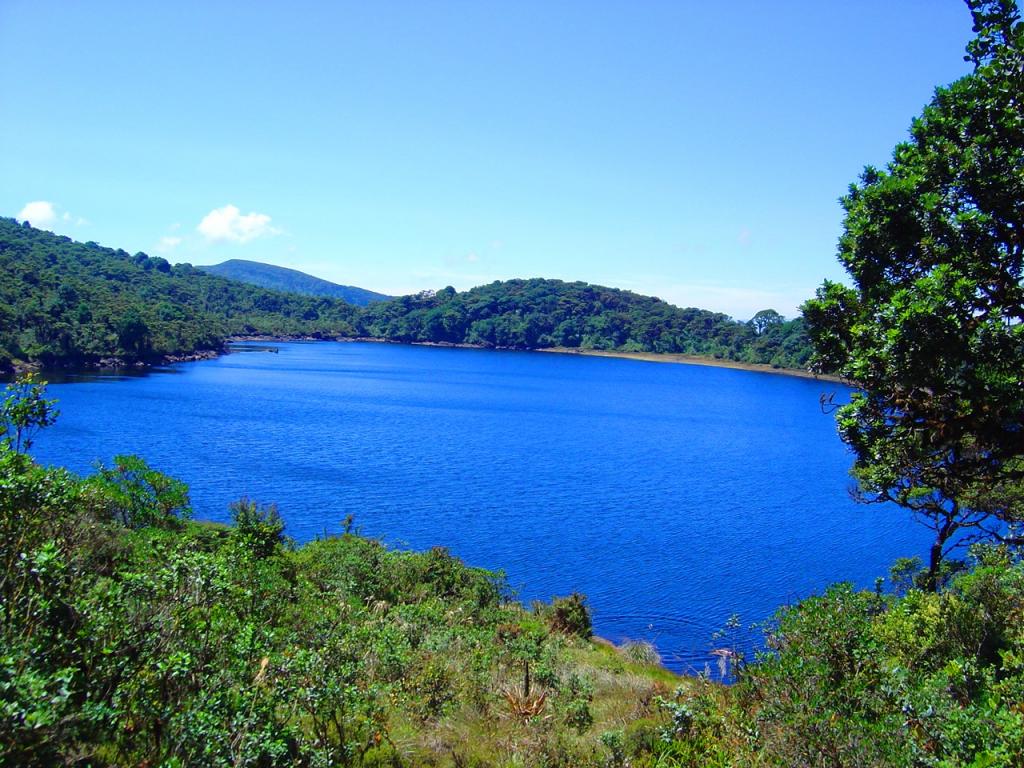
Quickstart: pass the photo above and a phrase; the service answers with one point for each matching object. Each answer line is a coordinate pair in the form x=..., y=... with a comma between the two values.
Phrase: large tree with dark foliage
x=932, y=331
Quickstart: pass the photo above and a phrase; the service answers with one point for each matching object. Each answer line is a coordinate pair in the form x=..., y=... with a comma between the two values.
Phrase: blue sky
x=690, y=150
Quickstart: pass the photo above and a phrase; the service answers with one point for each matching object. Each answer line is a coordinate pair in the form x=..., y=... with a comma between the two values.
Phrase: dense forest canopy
x=67, y=302
x=538, y=313
x=63, y=302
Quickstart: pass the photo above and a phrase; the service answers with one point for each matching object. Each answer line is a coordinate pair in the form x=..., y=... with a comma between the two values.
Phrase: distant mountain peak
x=278, y=278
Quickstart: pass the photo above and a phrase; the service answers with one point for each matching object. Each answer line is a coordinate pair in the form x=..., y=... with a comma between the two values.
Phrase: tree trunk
x=934, y=561
x=942, y=534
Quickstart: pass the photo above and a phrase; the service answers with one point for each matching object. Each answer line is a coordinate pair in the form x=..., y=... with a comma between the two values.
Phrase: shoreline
x=115, y=363
x=112, y=363
x=650, y=357
x=681, y=359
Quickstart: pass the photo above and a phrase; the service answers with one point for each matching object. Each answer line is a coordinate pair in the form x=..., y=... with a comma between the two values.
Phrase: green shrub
x=577, y=695
x=259, y=529
x=570, y=616
x=138, y=496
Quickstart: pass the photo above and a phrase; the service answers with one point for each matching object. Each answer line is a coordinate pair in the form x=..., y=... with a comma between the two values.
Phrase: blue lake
x=673, y=496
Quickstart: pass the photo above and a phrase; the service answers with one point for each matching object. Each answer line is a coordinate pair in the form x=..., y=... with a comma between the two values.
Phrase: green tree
x=765, y=319
x=133, y=333
x=25, y=411
x=137, y=496
x=932, y=331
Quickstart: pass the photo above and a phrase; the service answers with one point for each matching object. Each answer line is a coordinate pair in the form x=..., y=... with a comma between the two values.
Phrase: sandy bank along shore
x=670, y=357
x=652, y=357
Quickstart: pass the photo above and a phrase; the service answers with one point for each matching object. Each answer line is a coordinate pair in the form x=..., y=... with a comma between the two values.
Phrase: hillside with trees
x=290, y=281
x=69, y=303
x=64, y=302
x=539, y=314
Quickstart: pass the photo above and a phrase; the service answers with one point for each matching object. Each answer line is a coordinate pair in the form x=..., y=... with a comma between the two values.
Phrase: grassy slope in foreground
x=129, y=636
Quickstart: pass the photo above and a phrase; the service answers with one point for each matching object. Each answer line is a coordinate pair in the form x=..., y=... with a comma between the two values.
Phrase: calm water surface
x=673, y=496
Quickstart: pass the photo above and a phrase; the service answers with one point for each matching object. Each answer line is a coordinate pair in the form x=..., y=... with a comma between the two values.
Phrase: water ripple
x=674, y=496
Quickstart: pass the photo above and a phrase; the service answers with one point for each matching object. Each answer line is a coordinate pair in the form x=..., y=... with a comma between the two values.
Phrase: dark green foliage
x=258, y=529
x=63, y=302
x=536, y=314
x=932, y=332
x=24, y=411
x=137, y=496
x=859, y=679
x=569, y=615
x=37, y=658
x=291, y=281
x=764, y=320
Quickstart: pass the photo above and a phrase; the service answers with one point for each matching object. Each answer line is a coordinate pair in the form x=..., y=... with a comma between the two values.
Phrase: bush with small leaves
x=570, y=616
x=259, y=529
x=138, y=496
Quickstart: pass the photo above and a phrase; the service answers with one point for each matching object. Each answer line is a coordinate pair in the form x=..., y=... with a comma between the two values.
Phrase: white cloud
x=43, y=214
x=168, y=243
x=39, y=213
x=228, y=223
x=472, y=258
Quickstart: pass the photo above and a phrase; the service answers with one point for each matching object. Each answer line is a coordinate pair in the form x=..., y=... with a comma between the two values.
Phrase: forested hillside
x=283, y=279
x=66, y=303
x=537, y=314
x=63, y=302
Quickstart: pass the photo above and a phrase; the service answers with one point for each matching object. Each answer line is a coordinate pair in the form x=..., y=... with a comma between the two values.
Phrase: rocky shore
x=114, y=362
